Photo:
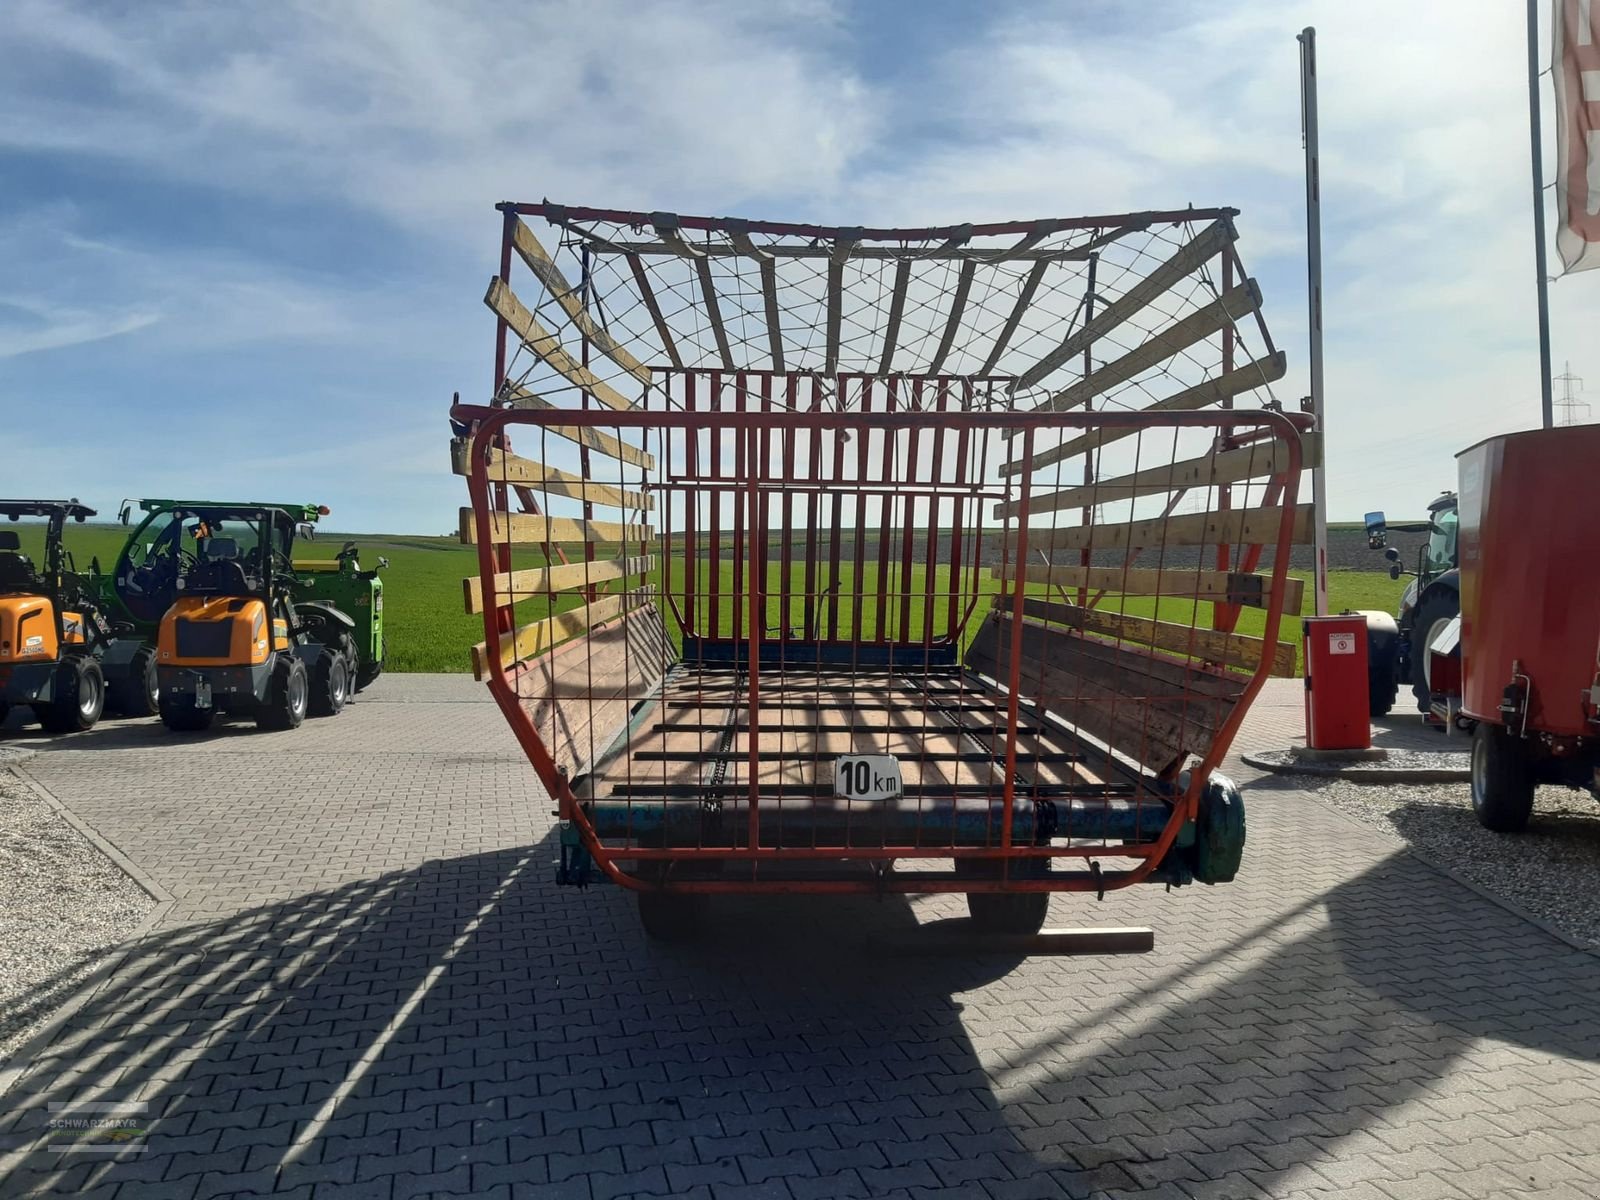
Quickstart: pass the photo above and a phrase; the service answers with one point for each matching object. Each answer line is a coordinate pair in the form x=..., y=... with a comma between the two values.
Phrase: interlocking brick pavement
x=368, y=986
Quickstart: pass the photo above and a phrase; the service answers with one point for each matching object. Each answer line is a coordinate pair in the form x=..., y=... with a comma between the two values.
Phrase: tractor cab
x=50, y=635
x=237, y=637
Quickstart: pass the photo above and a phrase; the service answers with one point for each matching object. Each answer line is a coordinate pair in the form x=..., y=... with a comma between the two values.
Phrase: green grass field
x=428, y=628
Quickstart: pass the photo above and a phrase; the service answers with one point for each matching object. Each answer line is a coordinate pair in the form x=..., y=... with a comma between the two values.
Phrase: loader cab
x=171, y=541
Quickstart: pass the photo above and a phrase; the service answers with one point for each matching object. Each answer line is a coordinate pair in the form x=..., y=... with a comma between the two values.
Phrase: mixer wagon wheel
x=1502, y=780
x=671, y=916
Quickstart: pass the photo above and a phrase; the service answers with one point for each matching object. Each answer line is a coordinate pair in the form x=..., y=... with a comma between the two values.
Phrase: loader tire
x=330, y=683
x=288, y=695
x=1502, y=780
x=1436, y=609
x=78, y=698
x=180, y=715
x=1382, y=688
x=139, y=693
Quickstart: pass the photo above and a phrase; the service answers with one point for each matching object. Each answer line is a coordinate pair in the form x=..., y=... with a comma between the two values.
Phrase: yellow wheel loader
x=51, y=635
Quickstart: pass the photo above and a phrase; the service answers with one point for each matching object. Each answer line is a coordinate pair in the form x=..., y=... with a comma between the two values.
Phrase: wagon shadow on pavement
x=465, y=1025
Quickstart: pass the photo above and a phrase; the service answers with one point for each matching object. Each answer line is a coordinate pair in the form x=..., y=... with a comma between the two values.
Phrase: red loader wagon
x=847, y=560
x=1530, y=617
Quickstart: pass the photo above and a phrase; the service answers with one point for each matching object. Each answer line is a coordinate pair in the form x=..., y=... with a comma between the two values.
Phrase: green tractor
x=1398, y=646
x=195, y=579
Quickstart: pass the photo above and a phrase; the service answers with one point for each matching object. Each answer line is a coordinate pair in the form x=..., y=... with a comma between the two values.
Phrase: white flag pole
x=1308, y=129
x=1540, y=269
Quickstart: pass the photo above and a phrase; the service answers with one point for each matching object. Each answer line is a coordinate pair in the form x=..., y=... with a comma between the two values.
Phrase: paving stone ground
x=366, y=985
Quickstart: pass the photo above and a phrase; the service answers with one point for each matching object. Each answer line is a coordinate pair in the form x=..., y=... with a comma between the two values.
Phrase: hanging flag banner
x=1576, y=68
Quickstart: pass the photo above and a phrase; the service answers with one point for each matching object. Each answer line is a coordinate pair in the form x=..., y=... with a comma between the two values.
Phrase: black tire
x=179, y=714
x=288, y=695
x=78, y=697
x=1008, y=912
x=138, y=694
x=671, y=916
x=1382, y=687
x=366, y=672
x=1438, y=606
x=330, y=683
x=5, y=711
x=1502, y=780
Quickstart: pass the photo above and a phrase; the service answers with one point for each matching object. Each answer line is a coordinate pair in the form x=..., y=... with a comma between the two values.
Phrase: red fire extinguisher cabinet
x=1337, y=705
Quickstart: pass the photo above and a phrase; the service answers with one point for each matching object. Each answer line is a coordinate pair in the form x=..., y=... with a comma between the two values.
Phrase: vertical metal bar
x=691, y=512
x=935, y=504
x=858, y=583
x=1224, y=616
x=1014, y=678
x=759, y=527
x=813, y=470
x=885, y=519
x=835, y=551
x=958, y=510
x=1085, y=556
x=907, y=533
x=1308, y=113
x=740, y=466
x=1541, y=268
x=753, y=702
x=714, y=518
x=584, y=466
x=786, y=582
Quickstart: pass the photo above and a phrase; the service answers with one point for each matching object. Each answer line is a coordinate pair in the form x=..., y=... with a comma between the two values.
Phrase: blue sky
x=245, y=253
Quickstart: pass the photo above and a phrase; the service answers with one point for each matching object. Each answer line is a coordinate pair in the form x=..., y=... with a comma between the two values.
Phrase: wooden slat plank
x=536, y=637
x=1228, y=587
x=1232, y=649
x=1236, y=302
x=1188, y=258
x=1253, y=461
x=547, y=347
x=641, y=280
x=952, y=324
x=594, y=439
x=535, y=581
x=769, y=297
x=1246, y=526
x=1018, y=310
x=504, y=467
x=897, y=308
x=544, y=267
x=535, y=530
x=708, y=293
x=1255, y=374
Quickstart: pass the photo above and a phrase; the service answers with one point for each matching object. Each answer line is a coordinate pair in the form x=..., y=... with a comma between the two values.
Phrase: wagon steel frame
x=729, y=434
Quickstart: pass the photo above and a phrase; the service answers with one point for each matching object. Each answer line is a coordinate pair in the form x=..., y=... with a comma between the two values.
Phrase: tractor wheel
x=1008, y=912
x=1438, y=606
x=179, y=714
x=366, y=672
x=330, y=683
x=79, y=696
x=139, y=694
x=1502, y=780
x=671, y=916
x=288, y=695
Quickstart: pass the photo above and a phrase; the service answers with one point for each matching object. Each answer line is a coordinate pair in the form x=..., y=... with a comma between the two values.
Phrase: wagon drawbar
x=835, y=560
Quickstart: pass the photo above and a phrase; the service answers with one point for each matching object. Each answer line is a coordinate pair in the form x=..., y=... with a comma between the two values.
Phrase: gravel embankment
x=64, y=906
x=1549, y=871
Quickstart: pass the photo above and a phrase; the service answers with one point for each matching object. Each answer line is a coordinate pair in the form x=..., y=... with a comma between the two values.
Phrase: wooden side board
x=532, y=529
x=511, y=586
x=536, y=637
x=581, y=694
x=516, y=396
x=547, y=347
x=504, y=467
x=1208, y=645
x=1255, y=461
x=1223, y=587
x=1259, y=373
x=1242, y=526
x=532, y=252
x=1145, y=707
